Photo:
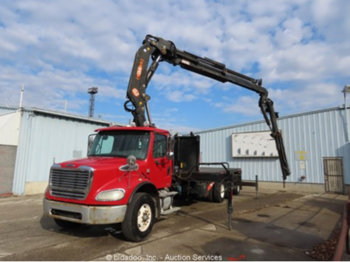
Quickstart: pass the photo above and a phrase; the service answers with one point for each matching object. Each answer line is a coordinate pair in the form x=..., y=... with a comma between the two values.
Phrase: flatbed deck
x=211, y=174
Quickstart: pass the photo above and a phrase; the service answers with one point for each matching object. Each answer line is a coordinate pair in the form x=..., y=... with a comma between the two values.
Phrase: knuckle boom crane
x=159, y=50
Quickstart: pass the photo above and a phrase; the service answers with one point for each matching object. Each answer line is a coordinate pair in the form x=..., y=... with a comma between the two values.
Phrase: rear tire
x=219, y=192
x=237, y=190
x=139, y=218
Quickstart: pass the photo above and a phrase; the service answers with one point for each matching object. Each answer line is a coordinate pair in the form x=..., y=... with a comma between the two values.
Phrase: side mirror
x=170, y=155
x=170, y=147
x=90, y=142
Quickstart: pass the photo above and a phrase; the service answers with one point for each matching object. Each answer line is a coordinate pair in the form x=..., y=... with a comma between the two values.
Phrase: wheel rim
x=144, y=217
x=222, y=191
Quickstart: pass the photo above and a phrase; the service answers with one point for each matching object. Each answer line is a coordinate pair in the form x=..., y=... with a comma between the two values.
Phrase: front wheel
x=139, y=218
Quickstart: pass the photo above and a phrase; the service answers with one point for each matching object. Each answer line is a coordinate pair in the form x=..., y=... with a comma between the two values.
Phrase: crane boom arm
x=159, y=50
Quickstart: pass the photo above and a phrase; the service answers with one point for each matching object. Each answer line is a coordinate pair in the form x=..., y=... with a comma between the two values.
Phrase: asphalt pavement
x=275, y=226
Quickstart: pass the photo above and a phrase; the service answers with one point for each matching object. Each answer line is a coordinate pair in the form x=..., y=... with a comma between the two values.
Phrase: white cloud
x=50, y=89
x=306, y=97
x=245, y=106
x=180, y=86
x=58, y=50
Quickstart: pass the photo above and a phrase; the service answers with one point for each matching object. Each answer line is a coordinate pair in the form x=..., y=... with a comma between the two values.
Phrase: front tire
x=139, y=218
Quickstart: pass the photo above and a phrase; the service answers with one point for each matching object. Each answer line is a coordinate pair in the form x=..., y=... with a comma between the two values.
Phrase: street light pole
x=346, y=90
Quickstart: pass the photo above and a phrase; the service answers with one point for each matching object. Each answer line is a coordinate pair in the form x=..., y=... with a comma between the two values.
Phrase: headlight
x=111, y=195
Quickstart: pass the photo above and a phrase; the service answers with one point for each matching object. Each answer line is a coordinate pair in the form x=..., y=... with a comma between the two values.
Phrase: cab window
x=121, y=144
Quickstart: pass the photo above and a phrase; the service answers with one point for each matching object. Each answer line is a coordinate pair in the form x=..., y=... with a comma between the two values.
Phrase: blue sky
x=59, y=49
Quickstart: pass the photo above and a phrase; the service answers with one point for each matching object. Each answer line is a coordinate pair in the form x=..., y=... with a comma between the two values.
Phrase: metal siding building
x=319, y=134
x=5, y=110
x=46, y=137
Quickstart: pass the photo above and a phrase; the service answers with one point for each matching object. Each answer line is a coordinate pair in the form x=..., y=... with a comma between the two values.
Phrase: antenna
x=92, y=91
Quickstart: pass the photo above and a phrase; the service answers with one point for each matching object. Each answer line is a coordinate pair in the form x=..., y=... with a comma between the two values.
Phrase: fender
x=149, y=188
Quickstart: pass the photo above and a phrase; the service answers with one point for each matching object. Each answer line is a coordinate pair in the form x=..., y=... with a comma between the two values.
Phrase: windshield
x=121, y=144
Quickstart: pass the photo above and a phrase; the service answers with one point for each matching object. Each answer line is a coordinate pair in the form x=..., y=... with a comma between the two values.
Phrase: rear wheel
x=219, y=192
x=139, y=218
x=236, y=190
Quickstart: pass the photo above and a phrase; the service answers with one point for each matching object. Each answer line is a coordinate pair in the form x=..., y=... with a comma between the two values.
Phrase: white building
x=33, y=139
x=316, y=145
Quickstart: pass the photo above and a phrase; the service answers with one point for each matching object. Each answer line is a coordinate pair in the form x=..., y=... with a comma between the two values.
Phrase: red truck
x=132, y=174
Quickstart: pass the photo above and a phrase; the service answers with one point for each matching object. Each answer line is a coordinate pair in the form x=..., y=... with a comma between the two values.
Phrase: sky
x=58, y=49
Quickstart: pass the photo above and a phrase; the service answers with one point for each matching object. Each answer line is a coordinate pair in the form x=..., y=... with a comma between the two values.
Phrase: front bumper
x=92, y=215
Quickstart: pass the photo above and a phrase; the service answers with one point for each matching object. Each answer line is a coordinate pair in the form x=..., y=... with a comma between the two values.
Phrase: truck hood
x=95, y=162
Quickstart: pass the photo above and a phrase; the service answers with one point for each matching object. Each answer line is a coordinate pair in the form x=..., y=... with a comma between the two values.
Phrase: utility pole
x=346, y=90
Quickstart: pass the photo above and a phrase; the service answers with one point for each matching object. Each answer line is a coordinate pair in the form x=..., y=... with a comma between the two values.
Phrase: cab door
x=162, y=167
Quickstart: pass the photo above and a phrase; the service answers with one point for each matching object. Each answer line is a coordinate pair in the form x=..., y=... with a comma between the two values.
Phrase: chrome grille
x=70, y=183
